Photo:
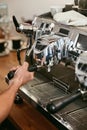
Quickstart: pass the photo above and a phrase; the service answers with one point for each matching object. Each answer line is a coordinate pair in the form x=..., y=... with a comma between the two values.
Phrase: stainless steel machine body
x=60, y=83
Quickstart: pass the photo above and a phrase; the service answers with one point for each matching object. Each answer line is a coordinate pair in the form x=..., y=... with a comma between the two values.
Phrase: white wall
x=29, y=8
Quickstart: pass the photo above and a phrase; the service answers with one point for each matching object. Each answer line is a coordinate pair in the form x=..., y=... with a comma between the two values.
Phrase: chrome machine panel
x=58, y=87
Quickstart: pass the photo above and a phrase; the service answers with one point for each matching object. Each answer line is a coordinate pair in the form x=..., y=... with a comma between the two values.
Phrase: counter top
x=23, y=116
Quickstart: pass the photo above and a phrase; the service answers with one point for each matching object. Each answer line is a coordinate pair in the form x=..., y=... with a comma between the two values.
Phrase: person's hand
x=22, y=75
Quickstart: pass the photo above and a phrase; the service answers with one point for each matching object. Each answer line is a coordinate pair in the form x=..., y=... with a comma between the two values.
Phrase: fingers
x=21, y=75
x=25, y=65
x=14, y=68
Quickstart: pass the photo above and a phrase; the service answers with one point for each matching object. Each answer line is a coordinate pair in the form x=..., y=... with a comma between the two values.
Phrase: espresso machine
x=59, y=88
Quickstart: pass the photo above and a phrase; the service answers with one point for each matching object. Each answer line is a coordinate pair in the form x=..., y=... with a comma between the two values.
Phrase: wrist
x=15, y=84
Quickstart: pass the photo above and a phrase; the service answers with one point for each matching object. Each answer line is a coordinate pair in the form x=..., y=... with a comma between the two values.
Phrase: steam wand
x=18, y=54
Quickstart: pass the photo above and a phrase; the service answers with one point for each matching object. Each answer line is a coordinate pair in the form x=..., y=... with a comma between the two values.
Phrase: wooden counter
x=23, y=116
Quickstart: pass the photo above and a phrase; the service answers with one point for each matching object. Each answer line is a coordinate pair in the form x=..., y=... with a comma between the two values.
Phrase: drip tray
x=72, y=117
x=42, y=92
x=78, y=119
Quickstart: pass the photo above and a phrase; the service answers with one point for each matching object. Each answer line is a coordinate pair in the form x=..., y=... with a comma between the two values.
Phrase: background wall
x=29, y=8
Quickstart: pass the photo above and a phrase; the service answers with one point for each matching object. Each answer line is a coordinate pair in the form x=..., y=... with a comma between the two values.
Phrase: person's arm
x=21, y=77
x=6, y=101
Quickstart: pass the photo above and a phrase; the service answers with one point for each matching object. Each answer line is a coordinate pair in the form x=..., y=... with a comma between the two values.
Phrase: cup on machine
x=16, y=43
x=3, y=45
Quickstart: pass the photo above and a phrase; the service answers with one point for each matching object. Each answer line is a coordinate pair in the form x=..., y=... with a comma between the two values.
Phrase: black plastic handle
x=10, y=75
x=55, y=106
x=15, y=22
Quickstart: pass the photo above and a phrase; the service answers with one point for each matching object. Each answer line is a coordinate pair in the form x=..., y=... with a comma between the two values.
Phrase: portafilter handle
x=57, y=105
x=10, y=75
